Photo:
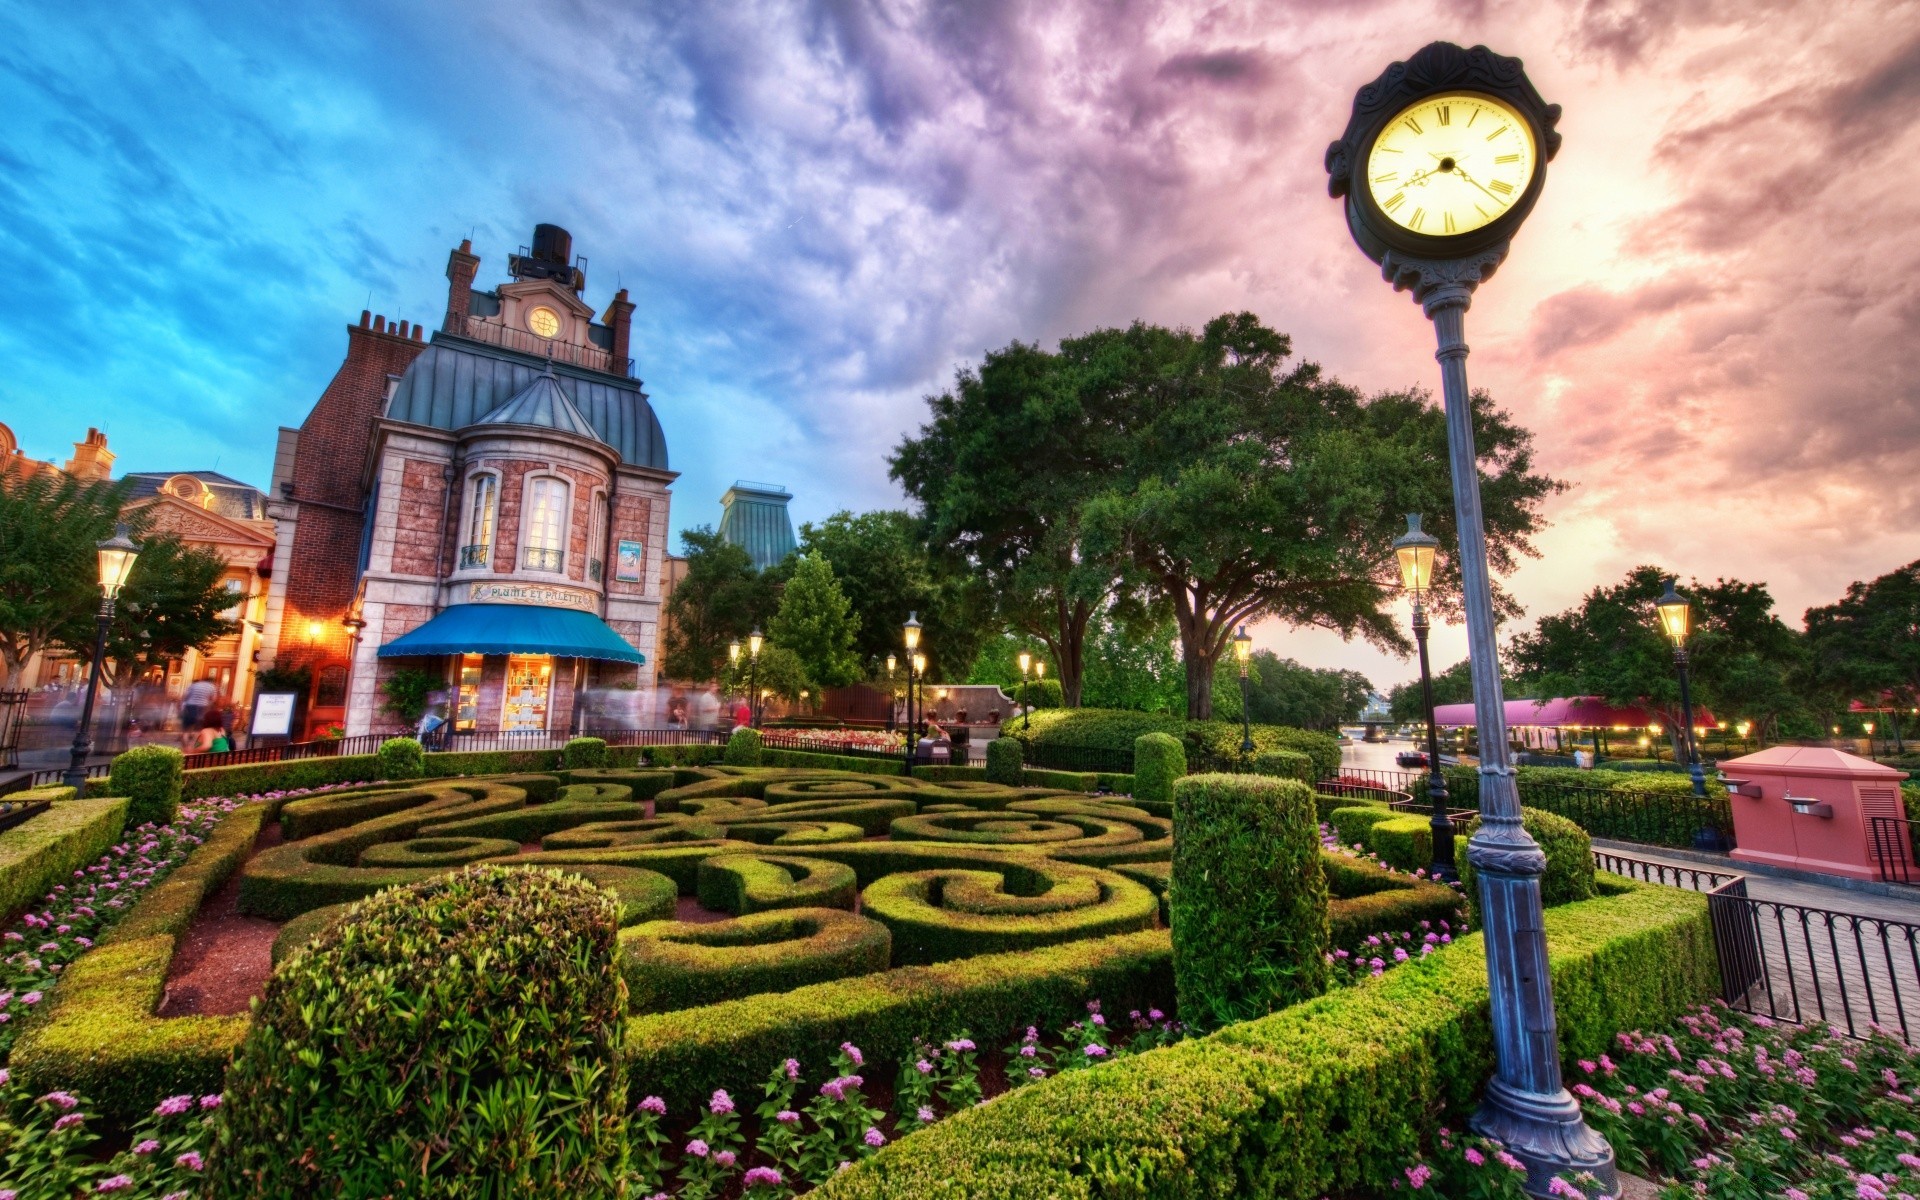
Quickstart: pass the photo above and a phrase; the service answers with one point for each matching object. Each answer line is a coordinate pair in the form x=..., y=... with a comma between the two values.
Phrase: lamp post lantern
x=1676, y=620
x=910, y=636
x=1243, y=651
x=893, y=664
x=1442, y=159
x=116, y=556
x=1026, y=711
x=1415, y=551
x=754, y=641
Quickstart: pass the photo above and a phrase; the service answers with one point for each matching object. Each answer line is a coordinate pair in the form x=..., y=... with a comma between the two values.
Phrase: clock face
x=544, y=322
x=1450, y=164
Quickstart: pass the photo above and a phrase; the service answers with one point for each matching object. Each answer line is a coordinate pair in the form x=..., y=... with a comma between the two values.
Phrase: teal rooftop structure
x=754, y=517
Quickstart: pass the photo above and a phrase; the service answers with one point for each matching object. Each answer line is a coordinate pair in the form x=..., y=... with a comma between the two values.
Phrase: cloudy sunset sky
x=1711, y=321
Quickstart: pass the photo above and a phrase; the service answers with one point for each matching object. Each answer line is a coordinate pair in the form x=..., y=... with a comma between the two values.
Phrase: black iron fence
x=1894, y=850
x=13, y=713
x=1652, y=818
x=1079, y=758
x=1790, y=962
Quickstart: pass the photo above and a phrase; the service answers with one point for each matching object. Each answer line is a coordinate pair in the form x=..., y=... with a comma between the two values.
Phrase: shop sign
x=532, y=593
x=629, y=561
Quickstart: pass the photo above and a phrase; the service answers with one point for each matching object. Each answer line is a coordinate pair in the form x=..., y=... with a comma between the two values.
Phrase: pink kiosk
x=1810, y=807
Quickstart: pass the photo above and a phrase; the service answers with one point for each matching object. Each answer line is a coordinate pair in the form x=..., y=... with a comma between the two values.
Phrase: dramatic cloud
x=824, y=208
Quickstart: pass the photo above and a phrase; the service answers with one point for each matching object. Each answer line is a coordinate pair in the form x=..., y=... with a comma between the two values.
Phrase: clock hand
x=1475, y=182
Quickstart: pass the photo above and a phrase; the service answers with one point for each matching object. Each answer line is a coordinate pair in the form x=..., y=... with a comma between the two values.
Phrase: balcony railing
x=508, y=338
x=475, y=557
x=533, y=558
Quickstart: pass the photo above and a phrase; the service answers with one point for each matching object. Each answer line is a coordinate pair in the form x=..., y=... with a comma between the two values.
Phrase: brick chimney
x=619, y=318
x=462, y=265
x=91, y=459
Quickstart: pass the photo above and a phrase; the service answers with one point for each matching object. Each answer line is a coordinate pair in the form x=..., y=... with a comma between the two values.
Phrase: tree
x=1451, y=686
x=1283, y=692
x=817, y=624
x=1741, y=657
x=1249, y=490
x=1866, y=646
x=778, y=673
x=1130, y=668
x=1000, y=472
x=883, y=564
x=50, y=524
x=171, y=604
x=720, y=600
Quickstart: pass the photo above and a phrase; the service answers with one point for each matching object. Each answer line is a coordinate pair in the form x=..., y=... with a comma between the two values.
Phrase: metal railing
x=538, y=558
x=507, y=337
x=1891, y=839
x=475, y=557
x=1663, y=818
x=1789, y=962
x=1079, y=758
x=774, y=739
x=13, y=711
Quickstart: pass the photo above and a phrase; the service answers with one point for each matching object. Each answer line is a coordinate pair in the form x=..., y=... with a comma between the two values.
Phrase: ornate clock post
x=1443, y=158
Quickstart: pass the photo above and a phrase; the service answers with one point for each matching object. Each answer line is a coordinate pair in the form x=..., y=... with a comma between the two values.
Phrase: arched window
x=545, y=532
x=483, y=501
x=596, y=537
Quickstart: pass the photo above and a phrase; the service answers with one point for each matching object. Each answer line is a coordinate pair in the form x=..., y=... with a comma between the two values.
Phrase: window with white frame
x=544, y=543
x=483, y=502
x=596, y=536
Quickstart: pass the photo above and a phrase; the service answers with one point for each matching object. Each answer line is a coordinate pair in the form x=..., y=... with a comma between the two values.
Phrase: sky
x=823, y=209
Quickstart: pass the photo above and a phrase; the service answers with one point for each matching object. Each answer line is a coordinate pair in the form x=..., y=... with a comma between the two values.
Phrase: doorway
x=529, y=686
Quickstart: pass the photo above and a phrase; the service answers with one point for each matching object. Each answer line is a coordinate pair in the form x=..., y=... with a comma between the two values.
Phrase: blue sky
x=823, y=207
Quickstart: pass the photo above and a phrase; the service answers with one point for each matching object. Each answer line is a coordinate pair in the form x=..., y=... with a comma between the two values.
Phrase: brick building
x=488, y=505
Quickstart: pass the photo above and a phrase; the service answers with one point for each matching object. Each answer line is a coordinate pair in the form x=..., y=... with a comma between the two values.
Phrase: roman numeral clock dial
x=1450, y=164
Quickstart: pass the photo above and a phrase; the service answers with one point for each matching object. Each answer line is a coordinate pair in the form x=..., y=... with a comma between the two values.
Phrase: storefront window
x=529, y=680
x=546, y=524
x=481, y=503
x=466, y=713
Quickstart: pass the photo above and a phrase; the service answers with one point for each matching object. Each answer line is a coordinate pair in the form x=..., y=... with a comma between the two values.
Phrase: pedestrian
x=208, y=734
x=193, y=705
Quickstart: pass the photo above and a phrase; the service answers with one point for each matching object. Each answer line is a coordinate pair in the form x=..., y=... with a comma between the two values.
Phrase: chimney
x=462, y=265
x=91, y=459
x=619, y=318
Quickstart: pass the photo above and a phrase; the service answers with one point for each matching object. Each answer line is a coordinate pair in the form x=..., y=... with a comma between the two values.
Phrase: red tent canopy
x=1572, y=712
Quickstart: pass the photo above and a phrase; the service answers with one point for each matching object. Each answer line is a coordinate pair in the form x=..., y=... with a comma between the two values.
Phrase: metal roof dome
x=542, y=404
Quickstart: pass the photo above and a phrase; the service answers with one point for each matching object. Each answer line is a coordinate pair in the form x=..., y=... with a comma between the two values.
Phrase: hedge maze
x=795, y=876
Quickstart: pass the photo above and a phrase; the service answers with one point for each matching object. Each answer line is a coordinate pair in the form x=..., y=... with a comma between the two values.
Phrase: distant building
x=489, y=506
x=754, y=516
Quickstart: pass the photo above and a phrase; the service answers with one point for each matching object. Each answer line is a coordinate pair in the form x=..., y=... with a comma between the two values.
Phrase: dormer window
x=543, y=322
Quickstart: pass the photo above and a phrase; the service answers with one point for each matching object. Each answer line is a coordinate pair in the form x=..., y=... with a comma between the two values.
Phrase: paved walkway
x=1832, y=897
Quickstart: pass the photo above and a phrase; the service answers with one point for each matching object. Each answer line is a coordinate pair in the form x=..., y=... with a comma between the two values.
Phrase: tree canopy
x=1451, y=686
x=49, y=526
x=817, y=624
x=721, y=599
x=1866, y=645
x=172, y=603
x=883, y=565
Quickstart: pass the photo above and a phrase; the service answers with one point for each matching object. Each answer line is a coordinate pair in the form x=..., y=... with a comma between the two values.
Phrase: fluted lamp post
x=116, y=563
x=1676, y=619
x=1243, y=651
x=910, y=637
x=1026, y=668
x=1415, y=549
x=893, y=664
x=733, y=675
x=754, y=641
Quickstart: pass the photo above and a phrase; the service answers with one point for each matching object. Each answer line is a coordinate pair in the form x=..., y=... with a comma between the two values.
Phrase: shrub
x=1351, y=821
x=402, y=758
x=833, y=762
x=150, y=777
x=1569, y=853
x=584, y=752
x=749, y=883
x=947, y=913
x=1369, y=900
x=1004, y=762
x=1285, y=764
x=1404, y=840
x=1158, y=760
x=470, y=1021
x=683, y=756
x=676, y=964
x=46, y=850
x=1248, y=898
x=743, y=748
x=1207, y=741
x=1330, y=1097
x=683, y=1055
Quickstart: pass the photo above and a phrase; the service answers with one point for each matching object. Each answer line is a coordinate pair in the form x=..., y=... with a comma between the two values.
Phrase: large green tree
x=887, y=571
x=816, y=623
x=1451, y=686
x=49, y=575
x=1281, y=691
x=1000, y=472
x=1742, y=657
x=172, y=603
x=1251, y=489
x=1866, y=645
x=720, y=600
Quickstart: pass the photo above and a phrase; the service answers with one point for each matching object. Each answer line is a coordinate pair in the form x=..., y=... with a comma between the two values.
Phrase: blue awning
x=514, y=629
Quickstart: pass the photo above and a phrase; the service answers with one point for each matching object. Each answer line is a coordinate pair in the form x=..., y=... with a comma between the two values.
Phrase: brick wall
x=323, y=569
x=585, y=484
x=632, y=518
x=416, y=535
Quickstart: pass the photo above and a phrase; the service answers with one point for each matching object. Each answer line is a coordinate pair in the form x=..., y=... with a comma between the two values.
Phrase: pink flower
x=1096, y=1050
x=114, y=1183
x=1560, y=1187
x=762, y=1177
x=1475, y=1158
x=1418, y=1175
x=210, y=1102
x=924, y=1115
x=853, y=1052
x=697, y=1148
x=793, y=1072
x=721, y=1103
x=191, y=1160
x=146, y=1147
x=654, y=1105
x=65, y=1101
x=725, y=1158
x=873, y=1137
x=70, y=1121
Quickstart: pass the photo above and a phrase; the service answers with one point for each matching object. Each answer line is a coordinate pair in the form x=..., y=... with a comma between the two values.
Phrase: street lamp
x=1415, y=549
x=892, y=665
x=1868, y=726
x=1026, y=668
x=910, y=636
x=1243, y=650
x=1676, y=619
x=116, y=563
x=754, y=641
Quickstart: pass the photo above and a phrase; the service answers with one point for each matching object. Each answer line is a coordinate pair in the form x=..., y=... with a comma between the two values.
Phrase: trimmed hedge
x=99, y=1034
x=1248, y=897
x=47, y=849
x=1004, y=762
x=676, y=964
x=743, y=748
x=948, y=913
x=1351, y=822
x=402, y=758
x=833, y=762
x=683, y=756
x=1158, y=760
x=150, y=778
x=295, y=934
x=1286, y=764
x=1332, y=1096
x=436, y=852
x=749, y=883
x=1115, y=730
x=468, y=1022
x=584, y=753
x=684, y=1055
x=643, y=782
x=1404, y=840
x=1569, y=851
x=1366, y=900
